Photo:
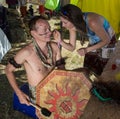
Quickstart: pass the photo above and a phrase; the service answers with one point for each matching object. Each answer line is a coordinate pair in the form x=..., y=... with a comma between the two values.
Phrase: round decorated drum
x=64, y=93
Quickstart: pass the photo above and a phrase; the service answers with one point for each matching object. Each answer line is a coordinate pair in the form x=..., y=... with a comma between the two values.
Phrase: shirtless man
x=38, y=58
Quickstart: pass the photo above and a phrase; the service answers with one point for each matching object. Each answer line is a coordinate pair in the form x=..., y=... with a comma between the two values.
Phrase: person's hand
x=38, y=114
x=23, y=98
x=82, y=51
x=57, y=35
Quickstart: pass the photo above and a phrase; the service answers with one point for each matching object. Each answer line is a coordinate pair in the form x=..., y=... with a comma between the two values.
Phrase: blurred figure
x=31, y=11
x=22, y=4
x=41, y=7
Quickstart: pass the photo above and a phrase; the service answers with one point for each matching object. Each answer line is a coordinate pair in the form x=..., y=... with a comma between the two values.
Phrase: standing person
x=23, y=7
x=91, y=26
x=38, y=58
x=41, y=7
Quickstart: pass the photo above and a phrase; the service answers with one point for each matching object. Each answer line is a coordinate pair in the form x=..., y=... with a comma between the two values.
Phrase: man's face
x=43, y=30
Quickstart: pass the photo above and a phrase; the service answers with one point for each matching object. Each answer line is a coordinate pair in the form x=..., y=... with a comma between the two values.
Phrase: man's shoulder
x=27, y=50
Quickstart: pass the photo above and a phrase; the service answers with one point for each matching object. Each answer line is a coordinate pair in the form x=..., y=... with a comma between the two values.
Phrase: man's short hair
x=33, y=21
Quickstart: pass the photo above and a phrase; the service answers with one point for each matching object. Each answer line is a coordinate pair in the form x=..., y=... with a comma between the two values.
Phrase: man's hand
x=23, y=98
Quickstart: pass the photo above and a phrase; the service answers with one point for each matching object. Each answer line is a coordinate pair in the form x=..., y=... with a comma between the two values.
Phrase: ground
x=95, y=108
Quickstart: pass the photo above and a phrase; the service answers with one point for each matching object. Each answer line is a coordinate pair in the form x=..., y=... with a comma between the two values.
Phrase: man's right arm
x=9, y=70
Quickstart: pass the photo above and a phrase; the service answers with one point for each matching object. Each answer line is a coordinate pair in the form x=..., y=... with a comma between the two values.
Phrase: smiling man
x=39, y=58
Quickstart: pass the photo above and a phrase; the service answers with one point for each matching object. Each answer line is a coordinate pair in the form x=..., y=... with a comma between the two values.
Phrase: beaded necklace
x=42, y=57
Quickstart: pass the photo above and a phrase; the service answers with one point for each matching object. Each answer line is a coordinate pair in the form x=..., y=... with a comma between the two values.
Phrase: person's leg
x=28, y=110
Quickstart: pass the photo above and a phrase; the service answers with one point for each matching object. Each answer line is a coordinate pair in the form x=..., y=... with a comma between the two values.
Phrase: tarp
x=107, y=8
x=5, y=46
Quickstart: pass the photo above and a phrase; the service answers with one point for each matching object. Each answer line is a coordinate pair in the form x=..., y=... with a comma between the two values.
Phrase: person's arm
x=96, y=25
x=71, y=44
x=14, y=63
x=59, y=62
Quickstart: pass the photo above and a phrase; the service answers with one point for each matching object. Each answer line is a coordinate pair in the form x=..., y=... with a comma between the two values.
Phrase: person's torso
x=35, y=69
x=93, y=38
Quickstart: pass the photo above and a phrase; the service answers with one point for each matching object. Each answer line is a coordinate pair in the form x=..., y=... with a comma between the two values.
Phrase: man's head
x=40, y=28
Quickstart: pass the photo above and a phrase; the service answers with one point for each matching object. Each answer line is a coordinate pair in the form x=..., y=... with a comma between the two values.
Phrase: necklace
x=42, y=57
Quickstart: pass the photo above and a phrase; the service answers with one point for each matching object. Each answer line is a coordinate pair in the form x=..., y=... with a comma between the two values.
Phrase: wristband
x=14, y=63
